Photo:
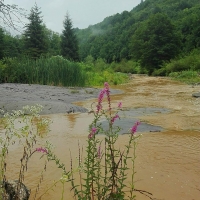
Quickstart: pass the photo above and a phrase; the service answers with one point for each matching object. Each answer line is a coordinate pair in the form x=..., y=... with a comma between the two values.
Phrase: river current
x=168, y=159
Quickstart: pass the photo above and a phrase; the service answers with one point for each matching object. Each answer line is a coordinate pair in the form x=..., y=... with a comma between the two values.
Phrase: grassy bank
x=56, y=71
x=189, y=77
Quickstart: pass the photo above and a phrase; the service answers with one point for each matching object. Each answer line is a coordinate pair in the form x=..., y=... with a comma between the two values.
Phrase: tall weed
x=47, y=71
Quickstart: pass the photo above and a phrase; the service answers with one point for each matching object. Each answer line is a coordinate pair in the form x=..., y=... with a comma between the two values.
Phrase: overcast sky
x=82, y=12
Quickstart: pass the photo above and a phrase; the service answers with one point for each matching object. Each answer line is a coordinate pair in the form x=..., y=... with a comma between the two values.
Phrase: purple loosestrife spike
x=119, y=104
x=107, y=91
x=114, y=118
x=134, y=128
x=43, y=150
x=100, y=99
x=106, y=85
x=92, y=132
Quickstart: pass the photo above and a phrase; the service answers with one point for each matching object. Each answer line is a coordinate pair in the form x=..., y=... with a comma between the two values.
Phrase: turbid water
x=168, y=153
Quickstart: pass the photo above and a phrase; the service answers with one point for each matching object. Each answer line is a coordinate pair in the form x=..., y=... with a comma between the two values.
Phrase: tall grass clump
x=46, y=71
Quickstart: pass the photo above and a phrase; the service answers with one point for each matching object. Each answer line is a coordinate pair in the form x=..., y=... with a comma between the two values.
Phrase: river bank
x=53, y=99
x=167, y=162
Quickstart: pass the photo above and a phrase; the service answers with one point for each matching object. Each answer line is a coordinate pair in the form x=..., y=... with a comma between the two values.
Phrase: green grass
x=46, y=71
x=189, y=77
x=99, y=78
x=56, y=71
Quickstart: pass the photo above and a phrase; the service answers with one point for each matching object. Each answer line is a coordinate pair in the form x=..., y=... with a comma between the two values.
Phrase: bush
x=126, y=67
x=98, y=78
x=188, y=62
x=189, y=76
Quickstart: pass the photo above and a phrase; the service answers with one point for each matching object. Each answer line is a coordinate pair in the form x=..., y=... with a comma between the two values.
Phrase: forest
x=157, y=37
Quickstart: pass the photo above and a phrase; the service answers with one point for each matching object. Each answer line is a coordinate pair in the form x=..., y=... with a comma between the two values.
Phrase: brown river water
x=167, y=163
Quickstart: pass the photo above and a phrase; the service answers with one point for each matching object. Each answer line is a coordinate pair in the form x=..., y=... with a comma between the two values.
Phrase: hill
x=174, y=24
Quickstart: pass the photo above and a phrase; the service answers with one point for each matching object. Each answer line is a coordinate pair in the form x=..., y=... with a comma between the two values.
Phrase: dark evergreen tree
x=1, y=43
x=35, y=41
x=69, y=42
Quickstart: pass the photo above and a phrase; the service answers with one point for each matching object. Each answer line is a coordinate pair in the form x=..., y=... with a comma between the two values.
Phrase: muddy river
x=168, y=152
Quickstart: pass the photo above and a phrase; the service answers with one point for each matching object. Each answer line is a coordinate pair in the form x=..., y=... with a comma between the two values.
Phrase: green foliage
x=125, y=66
x=53, y=42
x=154, y=42
x=189, y=76
x=47, y=71
x=190, y=27
x=145, y=35
x=97, y=78
x=1, y=43
x=185, y=68
x=2, y=69
x=13, y=46
x=111, y=39
x=188, y=62
x=69, y=43
x=35, y=39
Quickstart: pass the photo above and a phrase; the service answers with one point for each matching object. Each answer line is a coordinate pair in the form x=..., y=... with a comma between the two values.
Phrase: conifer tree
x=69, y=42
x=35, y=41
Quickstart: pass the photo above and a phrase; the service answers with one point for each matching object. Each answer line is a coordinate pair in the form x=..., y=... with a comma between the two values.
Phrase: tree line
x=150, y=35
x=37, y=40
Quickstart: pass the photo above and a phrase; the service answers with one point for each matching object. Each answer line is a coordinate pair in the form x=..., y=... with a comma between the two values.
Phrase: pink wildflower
x=119, y=104
x=134, y=128
x=114, y=118
x=43, y=150
x=100, y=99
x=107, y=91
x=106, y=85
x=101, y=95
x=92, y=132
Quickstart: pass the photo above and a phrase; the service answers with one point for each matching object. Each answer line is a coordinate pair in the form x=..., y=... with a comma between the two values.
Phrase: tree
x=13, y=46
x=1, y=43
x=11, y=15
x=69, y=42
x=53, y=41
x=155, y=41
x=35, y=39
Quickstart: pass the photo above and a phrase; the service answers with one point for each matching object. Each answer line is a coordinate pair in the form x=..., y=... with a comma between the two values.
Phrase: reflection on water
x=167, y=162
